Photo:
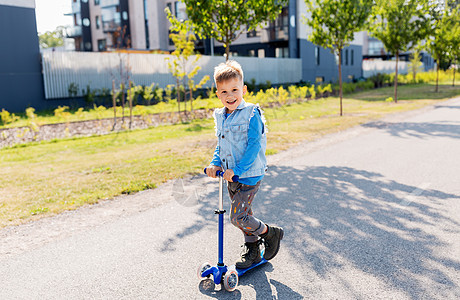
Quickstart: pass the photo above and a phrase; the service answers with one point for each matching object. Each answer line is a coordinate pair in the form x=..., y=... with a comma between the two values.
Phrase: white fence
x=372, y=67
x=97, y=70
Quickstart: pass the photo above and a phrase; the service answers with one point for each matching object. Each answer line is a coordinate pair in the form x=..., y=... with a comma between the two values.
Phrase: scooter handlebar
x=221, y=174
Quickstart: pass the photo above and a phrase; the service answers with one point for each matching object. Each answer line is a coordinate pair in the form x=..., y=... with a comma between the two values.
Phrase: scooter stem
x=220, y=258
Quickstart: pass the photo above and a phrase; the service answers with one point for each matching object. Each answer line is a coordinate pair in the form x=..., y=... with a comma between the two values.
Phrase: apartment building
x=100, y=25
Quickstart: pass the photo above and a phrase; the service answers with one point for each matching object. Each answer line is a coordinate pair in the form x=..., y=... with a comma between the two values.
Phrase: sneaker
x=249, y=256
x=272, y=239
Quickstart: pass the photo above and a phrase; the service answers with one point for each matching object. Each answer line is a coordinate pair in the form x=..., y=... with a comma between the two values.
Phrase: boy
x=240, y=151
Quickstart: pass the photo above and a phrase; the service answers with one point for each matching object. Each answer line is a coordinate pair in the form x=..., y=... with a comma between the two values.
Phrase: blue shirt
x=255, y=131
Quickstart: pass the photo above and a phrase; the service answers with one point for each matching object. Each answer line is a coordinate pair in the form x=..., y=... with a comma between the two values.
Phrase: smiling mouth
x=231, y=102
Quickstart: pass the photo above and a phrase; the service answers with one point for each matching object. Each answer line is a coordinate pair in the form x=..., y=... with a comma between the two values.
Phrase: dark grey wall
x=21, y=82
x=327, y=68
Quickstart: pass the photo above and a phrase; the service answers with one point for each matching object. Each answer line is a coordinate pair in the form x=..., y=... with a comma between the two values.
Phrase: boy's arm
x=255, y=132
x=216, y=157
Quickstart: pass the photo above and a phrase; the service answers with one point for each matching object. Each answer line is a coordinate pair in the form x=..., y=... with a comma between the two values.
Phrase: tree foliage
x=443, y=43
x=183, y=66
x=225, y=20
x=51, y=39
x=334, y=23
x=400, y=25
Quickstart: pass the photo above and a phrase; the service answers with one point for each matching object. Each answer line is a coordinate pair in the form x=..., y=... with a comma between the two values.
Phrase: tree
x=440, y=41
x=415, y=63
x=454, y=39
x=51, y=39
x=226, y=20
x=183, y=66
x=400, y=25
x=334, y=23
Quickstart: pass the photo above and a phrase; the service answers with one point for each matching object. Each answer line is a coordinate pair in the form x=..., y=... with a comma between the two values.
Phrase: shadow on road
x=418, y=130
x=337, y=214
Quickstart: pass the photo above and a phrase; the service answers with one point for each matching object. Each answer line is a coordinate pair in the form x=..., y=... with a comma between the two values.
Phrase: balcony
x=108, y=3
x=274, y=34
x=73, y=31
x=111, y=25
x=76, y=7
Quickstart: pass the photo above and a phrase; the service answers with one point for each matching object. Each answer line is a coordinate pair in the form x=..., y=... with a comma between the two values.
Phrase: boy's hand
x=211, y=171
x=228, y=175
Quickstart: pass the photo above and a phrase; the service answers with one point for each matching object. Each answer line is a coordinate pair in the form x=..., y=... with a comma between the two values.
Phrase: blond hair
x=228, y=70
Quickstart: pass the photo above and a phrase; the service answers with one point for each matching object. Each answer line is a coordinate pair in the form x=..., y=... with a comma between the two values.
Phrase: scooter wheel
x=230, y=280
x=203, y=268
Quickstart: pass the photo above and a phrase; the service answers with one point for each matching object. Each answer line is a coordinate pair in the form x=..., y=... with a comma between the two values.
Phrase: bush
x=380, y=80
x=8, y=118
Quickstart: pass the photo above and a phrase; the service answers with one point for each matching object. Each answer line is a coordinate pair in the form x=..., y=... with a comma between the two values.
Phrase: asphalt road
x=369, y=213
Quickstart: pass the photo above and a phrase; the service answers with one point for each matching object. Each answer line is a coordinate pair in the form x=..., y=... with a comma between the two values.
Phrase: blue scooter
x=228, y=276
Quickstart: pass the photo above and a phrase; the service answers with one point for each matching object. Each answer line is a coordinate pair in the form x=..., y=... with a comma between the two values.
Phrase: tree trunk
x=437, y=77
x=178, y=98
x=340, y=80
x=130, y=99
x=114, y=100
x=122, y=103
x=191, y=102
x=227, y=51
x=396, y=78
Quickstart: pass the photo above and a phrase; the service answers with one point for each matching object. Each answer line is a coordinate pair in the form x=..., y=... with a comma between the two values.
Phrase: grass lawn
x=50, y=177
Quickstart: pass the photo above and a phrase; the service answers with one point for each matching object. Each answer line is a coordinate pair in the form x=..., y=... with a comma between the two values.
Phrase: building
x=100, y=25
x=373, y=49
x=21, y=82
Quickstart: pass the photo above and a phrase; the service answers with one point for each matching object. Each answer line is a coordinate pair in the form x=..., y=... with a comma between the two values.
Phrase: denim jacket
x=232, y=133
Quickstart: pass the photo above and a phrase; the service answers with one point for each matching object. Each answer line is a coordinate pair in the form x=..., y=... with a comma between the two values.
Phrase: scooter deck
x=242, y=271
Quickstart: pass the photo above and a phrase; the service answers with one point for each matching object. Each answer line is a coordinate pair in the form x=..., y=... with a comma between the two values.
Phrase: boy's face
x=231, y=92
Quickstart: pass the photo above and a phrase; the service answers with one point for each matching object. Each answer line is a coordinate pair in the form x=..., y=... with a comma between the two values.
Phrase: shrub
x=312, y=92
x=323, y=89
x=8, y=118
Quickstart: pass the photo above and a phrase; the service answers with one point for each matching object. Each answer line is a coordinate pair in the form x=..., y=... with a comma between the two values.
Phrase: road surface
x=369, y=213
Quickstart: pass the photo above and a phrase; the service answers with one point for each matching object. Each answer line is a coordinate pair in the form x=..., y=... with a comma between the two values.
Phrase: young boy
x=240, y=151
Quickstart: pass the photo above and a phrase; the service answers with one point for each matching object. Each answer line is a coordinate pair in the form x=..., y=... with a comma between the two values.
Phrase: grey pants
x=241, y=214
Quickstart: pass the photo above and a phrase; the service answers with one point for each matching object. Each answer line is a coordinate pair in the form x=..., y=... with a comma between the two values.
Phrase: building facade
x=100, y=25
x=21, y=81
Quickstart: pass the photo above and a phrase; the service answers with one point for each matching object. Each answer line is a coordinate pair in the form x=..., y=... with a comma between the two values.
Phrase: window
x=282, y=52
x=376, y=47
x=261, y=53
x=319, y=79
x=252, y=53
x=97, y=2
x=86, y=22
x=252, y=33
x=346, y=57
x=179, y=10
x=101, y=45
x=352, y=57
x=317, y=55
x=98, y=22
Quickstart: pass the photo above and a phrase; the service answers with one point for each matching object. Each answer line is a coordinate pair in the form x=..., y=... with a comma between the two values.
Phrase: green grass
x=42, y=179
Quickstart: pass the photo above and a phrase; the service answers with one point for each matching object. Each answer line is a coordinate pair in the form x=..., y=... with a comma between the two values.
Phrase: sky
x=50, y=14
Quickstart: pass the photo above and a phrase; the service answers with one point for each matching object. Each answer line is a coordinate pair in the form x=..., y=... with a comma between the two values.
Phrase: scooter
x=228, y=276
